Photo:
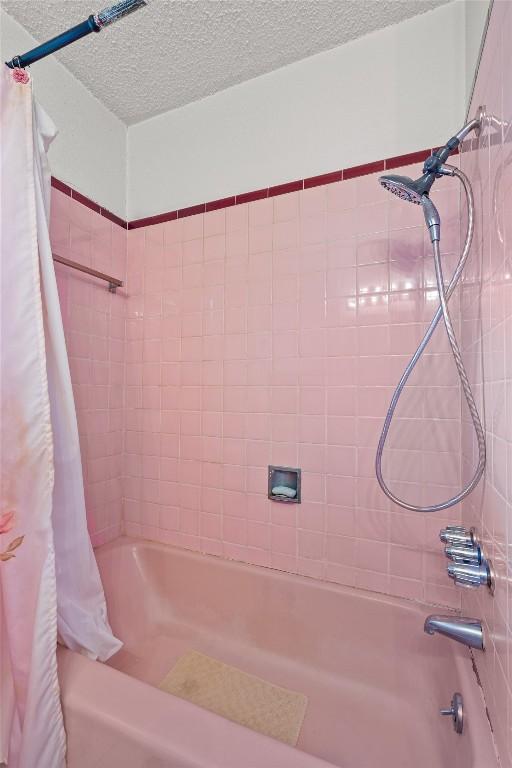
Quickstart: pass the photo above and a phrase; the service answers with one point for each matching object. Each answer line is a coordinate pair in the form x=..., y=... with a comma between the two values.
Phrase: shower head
x=416, y=192
x=118, y=11
x=407, y=189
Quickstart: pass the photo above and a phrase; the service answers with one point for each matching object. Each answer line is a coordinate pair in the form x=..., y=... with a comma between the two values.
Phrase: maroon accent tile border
x=363, y=170
x=160, y=218
x=225, y=202
x=138, y=223
x=113, y=218
x=56, y=184
x=456, y=151
x=249, y=197
x=324, y=178
x=75, y=195
x=470, y=144
x=85, y=201
x=284, y=189
x=192, y=210
x=412, y=157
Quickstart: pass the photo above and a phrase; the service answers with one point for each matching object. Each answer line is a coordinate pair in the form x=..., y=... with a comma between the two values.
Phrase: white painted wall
x=476, y=16
x=89, y=152
x=394, y=91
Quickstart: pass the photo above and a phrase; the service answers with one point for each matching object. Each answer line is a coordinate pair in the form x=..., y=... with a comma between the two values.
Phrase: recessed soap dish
x=284, y=484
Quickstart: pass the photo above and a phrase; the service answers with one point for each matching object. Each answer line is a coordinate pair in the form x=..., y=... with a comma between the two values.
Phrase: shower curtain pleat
x=81, y=609
x=51, y=586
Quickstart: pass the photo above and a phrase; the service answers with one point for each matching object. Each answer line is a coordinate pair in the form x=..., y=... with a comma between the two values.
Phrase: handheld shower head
x=402, y=187
x=118, y=11
x=407, y=189
x=416, y=192
x=433, y=168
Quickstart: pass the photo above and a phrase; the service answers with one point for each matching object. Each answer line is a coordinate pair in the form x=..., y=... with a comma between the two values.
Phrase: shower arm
x=94, y=23
x=434, y=163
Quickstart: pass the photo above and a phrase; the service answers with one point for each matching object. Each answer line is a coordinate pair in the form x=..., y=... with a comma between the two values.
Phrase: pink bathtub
x=374, y=680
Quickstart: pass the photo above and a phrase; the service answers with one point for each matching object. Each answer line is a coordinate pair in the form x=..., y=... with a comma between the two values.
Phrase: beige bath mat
x=237, y=696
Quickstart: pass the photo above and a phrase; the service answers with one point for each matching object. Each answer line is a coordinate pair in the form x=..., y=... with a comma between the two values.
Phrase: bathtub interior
x=374, y=681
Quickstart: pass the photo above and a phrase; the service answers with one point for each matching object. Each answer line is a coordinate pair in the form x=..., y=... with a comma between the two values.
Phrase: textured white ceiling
x=176, y=51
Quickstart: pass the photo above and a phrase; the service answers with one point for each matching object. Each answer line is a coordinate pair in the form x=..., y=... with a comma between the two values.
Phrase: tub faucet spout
x=460, y=628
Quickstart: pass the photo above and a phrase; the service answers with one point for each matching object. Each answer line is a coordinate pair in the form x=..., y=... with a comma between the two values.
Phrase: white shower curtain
x=49, y=580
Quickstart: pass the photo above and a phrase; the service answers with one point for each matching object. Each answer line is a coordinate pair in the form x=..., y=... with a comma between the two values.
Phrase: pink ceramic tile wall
x=273, y=333
x=95, y=332
x=487, y=336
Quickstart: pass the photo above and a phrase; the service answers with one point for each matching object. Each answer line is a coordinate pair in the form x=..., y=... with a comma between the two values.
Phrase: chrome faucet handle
x=459, y=554
x=466, y=575
x=472, y=576
x=456, y=712
x=458, y=535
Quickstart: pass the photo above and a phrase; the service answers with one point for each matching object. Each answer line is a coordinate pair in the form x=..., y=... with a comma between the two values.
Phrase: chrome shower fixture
x=418, y=192
x=407, y=189
x=94, y=23
x=459, y=536
x=464, y=630
x=473, y=575
x=456, y=712
x=433, y=167
x=469, y=567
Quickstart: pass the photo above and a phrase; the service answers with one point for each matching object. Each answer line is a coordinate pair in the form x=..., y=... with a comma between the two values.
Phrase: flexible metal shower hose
x=442, y=311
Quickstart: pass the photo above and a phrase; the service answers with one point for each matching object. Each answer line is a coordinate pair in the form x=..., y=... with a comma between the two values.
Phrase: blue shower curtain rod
x=94, y=23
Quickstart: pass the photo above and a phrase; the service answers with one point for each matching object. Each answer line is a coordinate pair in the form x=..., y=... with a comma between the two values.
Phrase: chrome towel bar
x=113, y=282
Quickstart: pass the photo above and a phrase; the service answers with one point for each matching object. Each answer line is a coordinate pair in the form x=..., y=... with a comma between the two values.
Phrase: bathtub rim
x=479, y=732
x=132, y=542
